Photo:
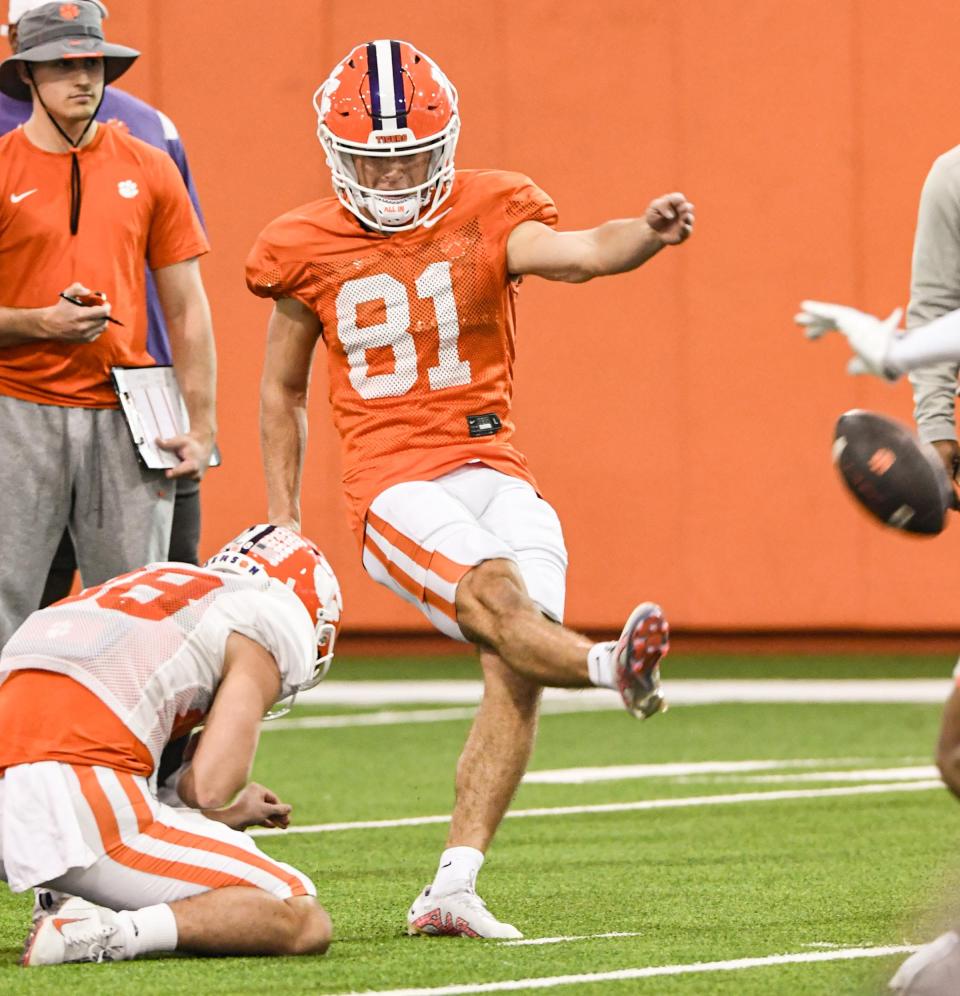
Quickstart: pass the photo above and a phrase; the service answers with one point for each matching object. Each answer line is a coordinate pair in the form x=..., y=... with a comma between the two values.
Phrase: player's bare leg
x=529, y=651
x=494, y=610
x=240, y=920
x=495, y=755
x=491, y=765
x=237, y=920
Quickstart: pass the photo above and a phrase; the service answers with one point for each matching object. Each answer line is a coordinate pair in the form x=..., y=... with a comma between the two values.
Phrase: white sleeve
x=276, y=619
x=937, y=342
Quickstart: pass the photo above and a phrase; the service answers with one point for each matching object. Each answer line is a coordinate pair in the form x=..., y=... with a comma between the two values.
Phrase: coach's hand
x=193, y=449
x=255, y=806
x=66, y=322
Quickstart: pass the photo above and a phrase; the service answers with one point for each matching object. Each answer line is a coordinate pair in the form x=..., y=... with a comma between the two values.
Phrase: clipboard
x=154, y=408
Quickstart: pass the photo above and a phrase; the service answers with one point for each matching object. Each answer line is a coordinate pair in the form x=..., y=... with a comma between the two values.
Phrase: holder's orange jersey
x=419, y=328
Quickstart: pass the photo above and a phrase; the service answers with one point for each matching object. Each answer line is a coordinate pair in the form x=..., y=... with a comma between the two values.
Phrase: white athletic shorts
x=421, y=537
x=121, y=848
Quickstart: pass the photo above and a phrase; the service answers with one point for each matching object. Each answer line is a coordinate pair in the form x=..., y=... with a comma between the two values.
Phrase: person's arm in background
x=174, y=146
x=934, y=291
x=948, y=747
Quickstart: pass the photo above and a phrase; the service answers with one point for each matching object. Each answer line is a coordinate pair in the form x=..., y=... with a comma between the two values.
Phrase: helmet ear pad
x=899, y=480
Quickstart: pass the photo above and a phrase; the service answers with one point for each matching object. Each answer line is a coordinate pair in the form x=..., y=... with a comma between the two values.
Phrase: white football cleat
x=77, y=931
x=46, y=901
x=932, y=970
x=644, y=641
x=458, y=914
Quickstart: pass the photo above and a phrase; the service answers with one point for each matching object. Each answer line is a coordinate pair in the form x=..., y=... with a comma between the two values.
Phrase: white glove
x=869, y=337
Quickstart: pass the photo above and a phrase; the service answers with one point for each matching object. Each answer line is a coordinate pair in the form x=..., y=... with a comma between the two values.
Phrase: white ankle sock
x=154, y=928
x=458, y=869
x=601, y=665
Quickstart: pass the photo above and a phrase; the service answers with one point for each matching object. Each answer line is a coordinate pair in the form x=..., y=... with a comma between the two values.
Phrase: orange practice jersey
x=419, y=328
x=135, y=208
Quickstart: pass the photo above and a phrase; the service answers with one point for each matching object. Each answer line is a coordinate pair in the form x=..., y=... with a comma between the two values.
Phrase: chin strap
x=76, y=189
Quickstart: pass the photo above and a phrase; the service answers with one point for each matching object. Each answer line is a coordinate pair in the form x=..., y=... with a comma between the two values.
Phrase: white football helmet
x=296, y=562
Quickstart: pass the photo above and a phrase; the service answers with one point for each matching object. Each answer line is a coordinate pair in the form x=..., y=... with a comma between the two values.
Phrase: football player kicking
x=125, y=667
x=410, y=275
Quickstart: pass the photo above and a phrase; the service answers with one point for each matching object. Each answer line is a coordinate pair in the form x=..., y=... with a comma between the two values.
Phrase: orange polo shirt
x=135, y=209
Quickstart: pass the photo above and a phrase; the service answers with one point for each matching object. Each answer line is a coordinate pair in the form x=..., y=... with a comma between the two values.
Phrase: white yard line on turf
x=740, y=769
x=627, y=807
x=673, y=769
x=530, y=941
x=864, y=775
x=550, y=982
x=683, y=691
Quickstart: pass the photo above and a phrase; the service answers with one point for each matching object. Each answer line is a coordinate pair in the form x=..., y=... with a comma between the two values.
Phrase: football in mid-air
x=898, y=479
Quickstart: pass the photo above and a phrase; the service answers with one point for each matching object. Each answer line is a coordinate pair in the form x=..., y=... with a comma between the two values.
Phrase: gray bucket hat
x=71, y=30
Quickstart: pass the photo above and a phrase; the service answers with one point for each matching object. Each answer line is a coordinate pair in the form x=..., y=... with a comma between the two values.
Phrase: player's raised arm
x=291, y=337
x=613, y=247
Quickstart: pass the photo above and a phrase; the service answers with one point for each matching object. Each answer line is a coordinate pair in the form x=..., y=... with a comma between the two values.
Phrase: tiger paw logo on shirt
x=128, y=189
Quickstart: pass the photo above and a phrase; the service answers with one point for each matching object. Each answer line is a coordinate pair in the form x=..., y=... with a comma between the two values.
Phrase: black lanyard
x=76, y=189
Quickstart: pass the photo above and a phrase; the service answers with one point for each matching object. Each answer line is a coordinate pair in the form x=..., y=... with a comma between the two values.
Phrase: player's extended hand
x=671, y=217
x=869, y=337
x=66, y=322
x=193, y=449
x=255, y=806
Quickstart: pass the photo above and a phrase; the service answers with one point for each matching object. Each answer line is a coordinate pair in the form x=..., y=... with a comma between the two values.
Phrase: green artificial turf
x=697, y=884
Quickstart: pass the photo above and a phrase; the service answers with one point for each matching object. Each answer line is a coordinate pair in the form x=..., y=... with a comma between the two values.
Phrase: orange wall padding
x=674, y=416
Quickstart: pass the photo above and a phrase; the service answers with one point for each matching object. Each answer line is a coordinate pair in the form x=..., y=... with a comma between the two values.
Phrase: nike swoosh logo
x=59, y=923
x=17, y=198
x=430, y=222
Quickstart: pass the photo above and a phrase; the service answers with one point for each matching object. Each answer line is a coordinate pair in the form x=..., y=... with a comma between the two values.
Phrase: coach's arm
x=948, y=748
x=190, y=327
x=291, y=338
x=220, y=768
x=614, y=247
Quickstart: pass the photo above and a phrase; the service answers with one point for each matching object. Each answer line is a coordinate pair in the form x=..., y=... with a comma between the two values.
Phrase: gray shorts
x=73, y=468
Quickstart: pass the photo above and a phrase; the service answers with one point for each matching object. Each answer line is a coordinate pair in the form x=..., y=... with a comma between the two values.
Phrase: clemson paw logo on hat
x=69, y=11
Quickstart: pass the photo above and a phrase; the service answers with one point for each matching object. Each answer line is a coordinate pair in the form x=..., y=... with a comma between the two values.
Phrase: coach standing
x=123, y=110
x=85, y=206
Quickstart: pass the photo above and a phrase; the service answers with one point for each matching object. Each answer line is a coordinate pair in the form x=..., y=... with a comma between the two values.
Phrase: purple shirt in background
x=151, y=126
